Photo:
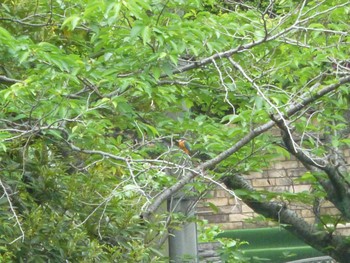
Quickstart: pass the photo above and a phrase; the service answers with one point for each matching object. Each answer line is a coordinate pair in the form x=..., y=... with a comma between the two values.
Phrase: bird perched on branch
x=184, y=145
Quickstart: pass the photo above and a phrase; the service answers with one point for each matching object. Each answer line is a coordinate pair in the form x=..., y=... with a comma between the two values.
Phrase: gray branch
x=245, y=140
x=332, y=245
x=8, y=80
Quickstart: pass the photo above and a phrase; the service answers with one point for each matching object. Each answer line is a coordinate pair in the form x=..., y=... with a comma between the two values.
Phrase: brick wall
x=279, y=177
x=208, y=252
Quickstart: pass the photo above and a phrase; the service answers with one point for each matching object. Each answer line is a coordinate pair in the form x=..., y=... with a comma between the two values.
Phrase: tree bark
x=334, y=245
x=336, y=186
x=193, y=172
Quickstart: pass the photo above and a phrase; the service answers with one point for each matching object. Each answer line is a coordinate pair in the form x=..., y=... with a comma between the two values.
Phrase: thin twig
x=13, y=212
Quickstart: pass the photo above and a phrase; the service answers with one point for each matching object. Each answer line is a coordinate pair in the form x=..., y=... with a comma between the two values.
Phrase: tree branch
x=241, y=48
x=324, y=241
x=9, y=80
x=337, y=187
x=13, y=212
x=242, y=142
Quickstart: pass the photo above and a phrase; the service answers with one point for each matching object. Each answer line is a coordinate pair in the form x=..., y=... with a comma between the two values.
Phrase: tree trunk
x=333, y=245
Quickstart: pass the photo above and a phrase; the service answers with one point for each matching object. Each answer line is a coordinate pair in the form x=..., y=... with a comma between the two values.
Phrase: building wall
x=279, y=177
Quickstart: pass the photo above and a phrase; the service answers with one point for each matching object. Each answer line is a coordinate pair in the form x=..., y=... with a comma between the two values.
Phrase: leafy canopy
x=93, y=95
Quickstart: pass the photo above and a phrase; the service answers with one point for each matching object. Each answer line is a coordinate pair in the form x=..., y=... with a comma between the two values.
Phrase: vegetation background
x=95, y=93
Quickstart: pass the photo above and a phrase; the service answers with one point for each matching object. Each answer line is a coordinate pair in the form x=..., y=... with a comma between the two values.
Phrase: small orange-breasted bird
x=184, y=146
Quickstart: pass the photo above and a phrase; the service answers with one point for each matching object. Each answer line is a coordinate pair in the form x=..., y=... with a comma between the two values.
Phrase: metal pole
x=183, y=242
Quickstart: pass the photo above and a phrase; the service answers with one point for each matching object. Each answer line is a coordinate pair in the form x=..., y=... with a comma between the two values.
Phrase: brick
x=239, y=217
x=211, y=194
x=218, y=218
x=280, y=158
x=233, y=201
x=234, y=214
x=254, y=175
x=277, y=173
x=200, y=204
x=307, y=213
x=327, y=204
x=231, y=225
x=246, y=209
x=255, y=224
x=297, y=208
x=329, y=211
x=282, y=188
x=272, y=223
x=286, y=165
x=219, y=201
x=204, y=210
x=265, y=174
x=347, y=152
x=347, y=160
x=202, y=217
x=343, y=229
x=221, y=193
x=263, y=182
x=294, y=173
x=300, y=188
x=283, y=181
x=310, y=220
x=230, y=209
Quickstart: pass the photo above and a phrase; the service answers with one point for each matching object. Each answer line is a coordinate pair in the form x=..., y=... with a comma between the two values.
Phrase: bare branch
x=280, y=114
x=322, y=240
x=336, y=187
x=9, y=80
x=225, y=86
x=242, y=142
x=322, y=12
x=13, y=212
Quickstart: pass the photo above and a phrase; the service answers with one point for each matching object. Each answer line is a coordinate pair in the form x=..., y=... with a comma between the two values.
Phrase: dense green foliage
x=94, y=93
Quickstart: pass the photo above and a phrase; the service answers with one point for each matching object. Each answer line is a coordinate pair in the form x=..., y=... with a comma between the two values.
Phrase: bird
x=184, y=145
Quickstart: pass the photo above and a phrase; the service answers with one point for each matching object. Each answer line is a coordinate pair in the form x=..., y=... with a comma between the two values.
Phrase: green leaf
x=5, y=36
x=137, y=29
x=213, y=207
x=24, y=57
x=71, y=22
x=146, y=35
